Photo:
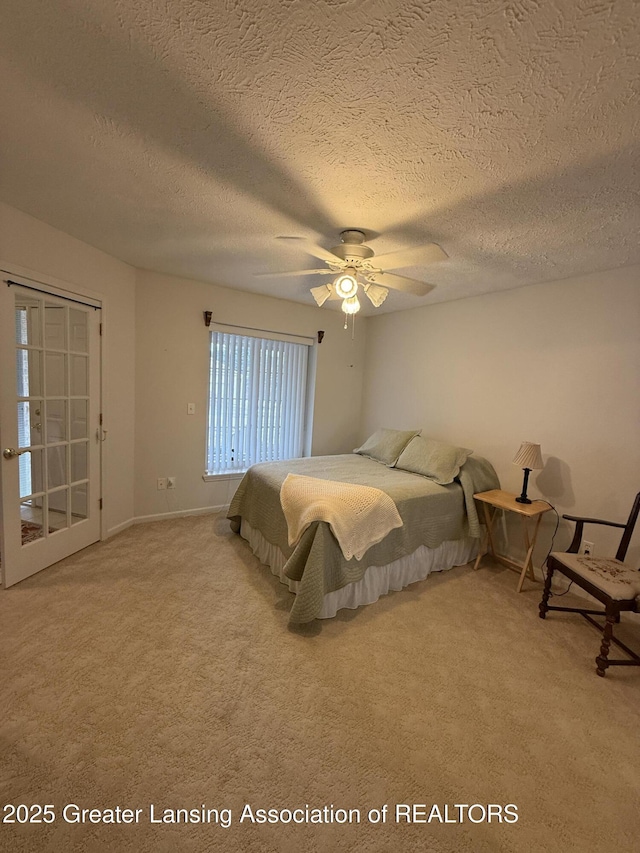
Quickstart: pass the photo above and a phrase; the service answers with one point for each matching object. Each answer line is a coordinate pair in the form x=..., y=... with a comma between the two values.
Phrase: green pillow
x=386, y=445
x=434, y=459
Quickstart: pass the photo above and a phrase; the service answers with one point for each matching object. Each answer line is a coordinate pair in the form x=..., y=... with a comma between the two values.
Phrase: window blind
x=24, y=408
x=256, y=401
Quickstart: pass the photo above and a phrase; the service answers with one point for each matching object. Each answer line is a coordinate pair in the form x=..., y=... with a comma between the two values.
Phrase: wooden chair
x=614, y=584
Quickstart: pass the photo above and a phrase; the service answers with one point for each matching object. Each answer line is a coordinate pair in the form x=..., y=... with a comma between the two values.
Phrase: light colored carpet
x=157, y=668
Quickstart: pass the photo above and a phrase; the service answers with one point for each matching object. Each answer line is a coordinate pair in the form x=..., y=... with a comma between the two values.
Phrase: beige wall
x=172, y=362
x=557, y=364
x=29, y=247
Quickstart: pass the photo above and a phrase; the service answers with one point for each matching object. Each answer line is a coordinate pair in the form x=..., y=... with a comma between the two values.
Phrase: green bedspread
x=431, y=514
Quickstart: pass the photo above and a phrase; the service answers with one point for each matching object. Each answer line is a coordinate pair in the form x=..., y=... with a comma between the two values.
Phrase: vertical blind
x=24, y=409
x=256, y=401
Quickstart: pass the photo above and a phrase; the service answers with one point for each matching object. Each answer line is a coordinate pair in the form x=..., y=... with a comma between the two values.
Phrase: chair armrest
x=577, y=518
x=580, y=522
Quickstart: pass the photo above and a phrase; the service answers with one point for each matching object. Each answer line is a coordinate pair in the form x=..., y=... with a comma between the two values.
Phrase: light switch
x=191, y=408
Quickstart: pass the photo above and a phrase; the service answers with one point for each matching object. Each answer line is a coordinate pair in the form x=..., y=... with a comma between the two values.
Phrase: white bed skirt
x=377, y=580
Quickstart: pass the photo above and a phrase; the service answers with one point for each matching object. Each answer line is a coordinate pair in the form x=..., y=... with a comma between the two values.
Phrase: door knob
x=9, y=452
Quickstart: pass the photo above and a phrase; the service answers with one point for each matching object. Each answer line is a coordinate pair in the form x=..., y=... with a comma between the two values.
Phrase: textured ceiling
x=186, y=136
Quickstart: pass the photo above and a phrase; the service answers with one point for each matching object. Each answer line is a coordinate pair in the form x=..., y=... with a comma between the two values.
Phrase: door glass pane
x=79, y=422
x=55, y=383
x=58, y=510
x=79, y=375
x=27, y=321
x=29, y=423
x=31, y=471
x=28, y=373
x=21, y=324
x=24, y=425
x=37, y=432
x=56, y=420
x=31, y=520
x=78, y=330
x=79, y=461
x=79, y=503
x=57, y=466
x=55, y=326
x=24, y=474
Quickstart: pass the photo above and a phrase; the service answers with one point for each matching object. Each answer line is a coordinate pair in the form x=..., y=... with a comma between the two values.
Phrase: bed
x=440, y=529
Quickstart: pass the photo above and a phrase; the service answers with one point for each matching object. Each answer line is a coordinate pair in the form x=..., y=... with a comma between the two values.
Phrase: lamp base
x=523, y=499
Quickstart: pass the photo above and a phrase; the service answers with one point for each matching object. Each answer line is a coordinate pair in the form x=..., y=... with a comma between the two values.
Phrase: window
x=257, y=401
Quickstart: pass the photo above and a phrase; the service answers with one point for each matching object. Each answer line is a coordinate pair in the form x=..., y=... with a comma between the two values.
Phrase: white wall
x=31, y=247
x=172, y=363
x=557, y=364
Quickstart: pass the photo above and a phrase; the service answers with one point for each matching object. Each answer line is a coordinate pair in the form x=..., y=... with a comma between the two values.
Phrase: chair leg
x=602, y=661
x=544, y=604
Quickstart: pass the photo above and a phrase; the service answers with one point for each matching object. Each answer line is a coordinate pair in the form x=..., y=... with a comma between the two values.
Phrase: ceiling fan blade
x=400, y=282
x=418, y=255
x=321, y=253
x=313, y=249
x=290, y=273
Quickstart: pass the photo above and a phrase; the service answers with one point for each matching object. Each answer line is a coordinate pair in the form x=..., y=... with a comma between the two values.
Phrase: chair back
x=628, y=530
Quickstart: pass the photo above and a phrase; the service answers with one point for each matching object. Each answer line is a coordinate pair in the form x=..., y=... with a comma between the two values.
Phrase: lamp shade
x=529, y=456
x=321, y=293
x=376, y=294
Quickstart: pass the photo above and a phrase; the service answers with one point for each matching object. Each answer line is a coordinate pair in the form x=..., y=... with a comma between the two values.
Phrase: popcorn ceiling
x=185, y=136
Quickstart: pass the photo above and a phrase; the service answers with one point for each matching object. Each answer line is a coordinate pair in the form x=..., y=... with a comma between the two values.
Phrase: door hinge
x=100, y=418
x=100, y=503
x=100, y=329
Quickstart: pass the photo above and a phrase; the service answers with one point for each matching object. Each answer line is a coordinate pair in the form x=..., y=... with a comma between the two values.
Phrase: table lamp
x=528, y=457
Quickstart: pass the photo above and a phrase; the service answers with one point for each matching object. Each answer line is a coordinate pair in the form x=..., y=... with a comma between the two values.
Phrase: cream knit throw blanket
x=359, y=516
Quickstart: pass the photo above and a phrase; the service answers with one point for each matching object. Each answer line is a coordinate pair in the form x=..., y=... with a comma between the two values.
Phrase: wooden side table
x=498, y=499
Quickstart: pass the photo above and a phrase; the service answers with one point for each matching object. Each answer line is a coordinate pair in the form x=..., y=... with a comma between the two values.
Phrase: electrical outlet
x=171, y=482
x=162, y=483
x=587, y=548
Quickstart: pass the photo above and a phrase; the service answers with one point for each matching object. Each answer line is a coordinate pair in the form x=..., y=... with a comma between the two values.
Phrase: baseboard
x=162, y=516
x=181, y=513
x=560, y=582
x=113, y=531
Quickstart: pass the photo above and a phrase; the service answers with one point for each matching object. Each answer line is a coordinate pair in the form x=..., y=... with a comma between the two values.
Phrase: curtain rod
x=267, y=331
x=9, y=282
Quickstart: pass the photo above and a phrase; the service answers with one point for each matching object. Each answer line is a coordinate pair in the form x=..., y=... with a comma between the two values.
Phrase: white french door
x=49, y=429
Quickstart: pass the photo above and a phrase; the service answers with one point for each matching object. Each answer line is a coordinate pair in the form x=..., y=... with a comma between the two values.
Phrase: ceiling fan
x=353, y=265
